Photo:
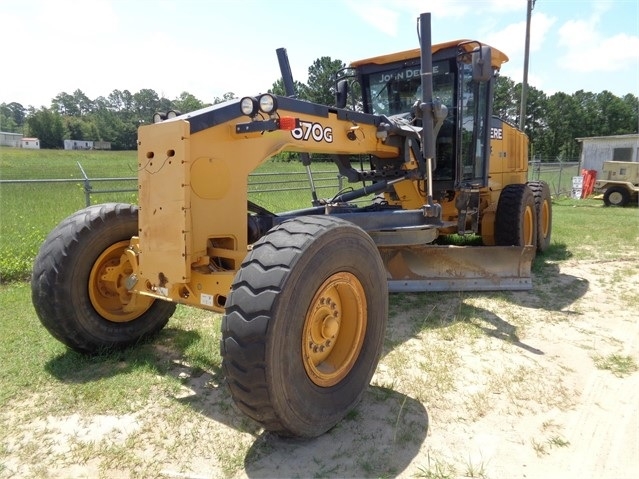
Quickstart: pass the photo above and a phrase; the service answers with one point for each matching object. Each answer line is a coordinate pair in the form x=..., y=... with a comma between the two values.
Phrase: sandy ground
x=543, y=384
x=529, y=404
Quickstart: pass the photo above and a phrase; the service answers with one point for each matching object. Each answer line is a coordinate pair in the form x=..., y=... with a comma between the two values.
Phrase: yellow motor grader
x=304, y=293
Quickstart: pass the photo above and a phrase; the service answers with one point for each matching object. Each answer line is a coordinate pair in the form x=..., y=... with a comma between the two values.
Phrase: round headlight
x=248, y=106
x=268, y=104
x=172, y=114
x=158, y=117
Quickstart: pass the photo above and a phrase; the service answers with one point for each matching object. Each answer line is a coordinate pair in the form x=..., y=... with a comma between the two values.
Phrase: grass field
x=28, y=211
x=170, y=387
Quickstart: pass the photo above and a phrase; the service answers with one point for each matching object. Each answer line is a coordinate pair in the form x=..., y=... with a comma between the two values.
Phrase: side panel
x=164, y=197
x=508, y=157
x=193, y=173
x=621, y=171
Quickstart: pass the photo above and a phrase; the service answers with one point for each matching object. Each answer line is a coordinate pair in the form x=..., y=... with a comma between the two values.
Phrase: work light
x=249, y=106
x=268, y=104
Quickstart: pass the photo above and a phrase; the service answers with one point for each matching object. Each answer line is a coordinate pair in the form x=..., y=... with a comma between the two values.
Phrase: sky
x=211, y=47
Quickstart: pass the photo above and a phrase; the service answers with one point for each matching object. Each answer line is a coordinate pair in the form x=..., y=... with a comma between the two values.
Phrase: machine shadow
x=388, y=425
x=412, y=313
x=162, y=355
x=380, y=438
x=201, y=386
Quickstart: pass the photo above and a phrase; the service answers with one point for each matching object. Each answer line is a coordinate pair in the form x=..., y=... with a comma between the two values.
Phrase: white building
x=597, y=149
x=10, y=139
x=78, y=144
x=31, y=143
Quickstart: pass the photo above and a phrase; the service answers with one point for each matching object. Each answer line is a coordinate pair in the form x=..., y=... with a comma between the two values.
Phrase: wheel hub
x=615, y=198
x=334, y=329
x=107, y=286
x=330, y=327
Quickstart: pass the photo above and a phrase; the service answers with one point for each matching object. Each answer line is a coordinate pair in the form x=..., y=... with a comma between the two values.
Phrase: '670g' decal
x=313, y=131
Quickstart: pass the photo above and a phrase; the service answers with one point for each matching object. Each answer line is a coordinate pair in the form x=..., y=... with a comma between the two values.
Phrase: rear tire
x=304, y=325
x=616, y=196
x=516, y=217
x=543, y=208
x=78, y=283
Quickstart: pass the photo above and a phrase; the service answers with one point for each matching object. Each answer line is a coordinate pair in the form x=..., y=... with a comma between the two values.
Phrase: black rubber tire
x=516, y=217
x=616, y=196
x=262, y=328
x=60, y=281
x=543, y=208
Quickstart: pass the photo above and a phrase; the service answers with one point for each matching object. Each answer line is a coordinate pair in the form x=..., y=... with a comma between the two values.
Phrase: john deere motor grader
x=305, y=293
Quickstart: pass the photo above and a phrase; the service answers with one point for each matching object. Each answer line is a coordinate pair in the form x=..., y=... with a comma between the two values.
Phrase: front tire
x=78, y=284
x=304, y=325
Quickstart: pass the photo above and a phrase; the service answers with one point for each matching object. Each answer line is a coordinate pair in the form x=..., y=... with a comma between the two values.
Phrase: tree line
x=74, y=116
x=553, y=122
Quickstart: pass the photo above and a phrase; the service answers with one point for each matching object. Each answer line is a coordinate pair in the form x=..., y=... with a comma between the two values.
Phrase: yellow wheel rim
x=107, y=290
x=528, y=226
x=544, y=221
x=334, y=329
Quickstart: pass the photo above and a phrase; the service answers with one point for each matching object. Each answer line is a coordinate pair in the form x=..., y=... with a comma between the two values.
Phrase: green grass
x=165, y=384
x=593, y=230
x=28, y=212
x=19, y=164
x=25, y=346
x=31, y=359
x=618, y=364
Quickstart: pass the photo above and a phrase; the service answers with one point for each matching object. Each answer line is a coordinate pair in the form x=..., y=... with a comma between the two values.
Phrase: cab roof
x=498, y=57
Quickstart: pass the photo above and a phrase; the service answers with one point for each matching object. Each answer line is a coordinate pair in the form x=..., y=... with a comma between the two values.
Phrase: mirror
x=482, y=64
x=341, y=94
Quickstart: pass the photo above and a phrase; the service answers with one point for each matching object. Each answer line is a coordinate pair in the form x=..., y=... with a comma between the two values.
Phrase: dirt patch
x=539, y=404
x=538, y=384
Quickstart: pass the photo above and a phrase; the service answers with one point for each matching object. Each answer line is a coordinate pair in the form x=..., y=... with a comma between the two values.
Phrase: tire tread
x=52, y=282
x=245, y=324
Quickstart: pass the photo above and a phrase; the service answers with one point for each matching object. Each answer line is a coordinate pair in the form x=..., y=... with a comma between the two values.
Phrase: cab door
x=474, y=108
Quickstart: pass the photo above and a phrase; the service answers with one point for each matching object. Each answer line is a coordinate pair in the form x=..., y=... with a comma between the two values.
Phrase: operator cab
x=391, y=86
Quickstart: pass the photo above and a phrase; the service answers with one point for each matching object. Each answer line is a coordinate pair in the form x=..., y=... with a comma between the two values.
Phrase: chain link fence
x=558, y=175
x=276, y=191
x=287, y=190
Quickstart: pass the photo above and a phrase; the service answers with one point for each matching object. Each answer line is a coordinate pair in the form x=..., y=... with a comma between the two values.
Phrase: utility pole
x=524, y=84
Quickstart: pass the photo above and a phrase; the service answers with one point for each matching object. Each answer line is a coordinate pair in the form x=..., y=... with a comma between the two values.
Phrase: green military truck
x=619, y=183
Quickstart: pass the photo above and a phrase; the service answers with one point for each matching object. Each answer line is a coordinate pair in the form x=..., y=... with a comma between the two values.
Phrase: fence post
x=561, y=169
x=538, y=167
x=87, y=186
